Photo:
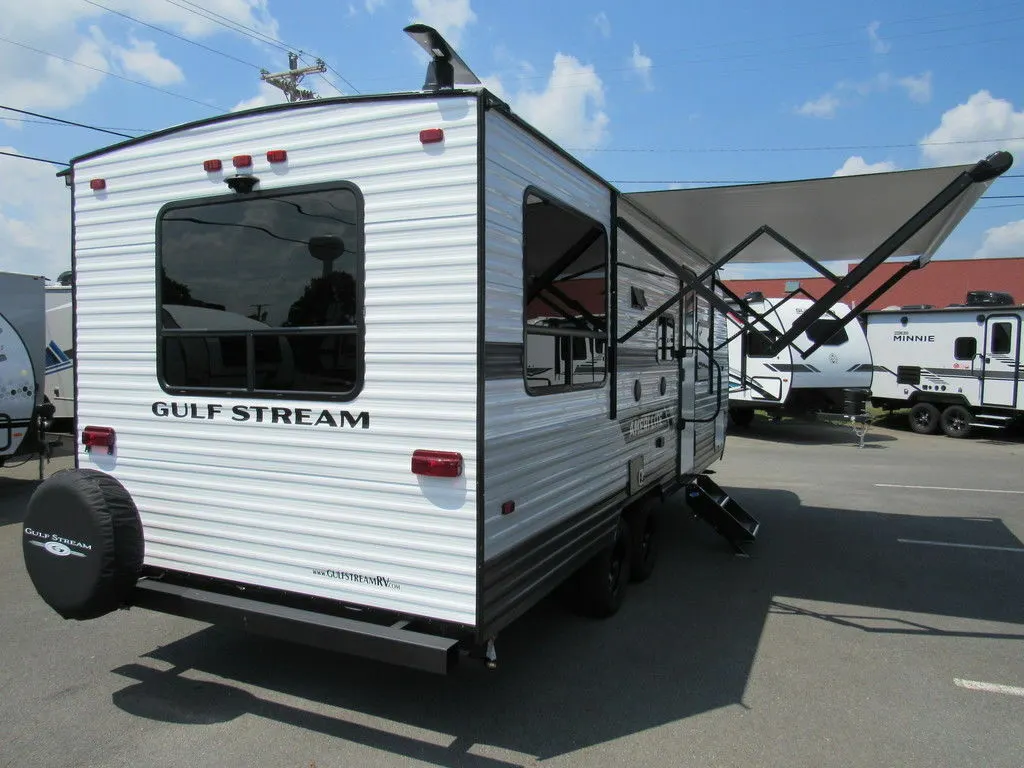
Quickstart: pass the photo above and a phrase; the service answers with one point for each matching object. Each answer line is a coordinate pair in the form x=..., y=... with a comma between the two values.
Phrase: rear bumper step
x=391, y=644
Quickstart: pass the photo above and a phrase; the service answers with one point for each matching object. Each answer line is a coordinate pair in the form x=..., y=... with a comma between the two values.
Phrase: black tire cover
x=82, y=543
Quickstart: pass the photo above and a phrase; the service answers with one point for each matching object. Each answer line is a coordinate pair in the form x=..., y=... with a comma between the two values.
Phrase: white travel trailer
x=411, y=486
x=956, y=368
x=60, y=354
x=763, y=378
x=21, y=363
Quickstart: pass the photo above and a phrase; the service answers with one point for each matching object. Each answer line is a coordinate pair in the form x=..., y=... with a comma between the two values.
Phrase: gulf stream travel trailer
x=785, y=381
x=327, y=384
x=21, y=363
x=958, y=369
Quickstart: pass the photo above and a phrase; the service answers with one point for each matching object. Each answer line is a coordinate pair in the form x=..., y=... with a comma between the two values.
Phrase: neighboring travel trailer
x=60, y=354
x=785, y=381
x=21, y=363
x=437, y=459
x=957, y=369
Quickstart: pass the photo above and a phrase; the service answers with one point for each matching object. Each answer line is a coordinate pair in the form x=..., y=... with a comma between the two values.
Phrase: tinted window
x=565, y=257
x=666, y=338
x=759, y=342
x=263, y=294
x=1001, y=339
x=965, y=348
x=827, y=333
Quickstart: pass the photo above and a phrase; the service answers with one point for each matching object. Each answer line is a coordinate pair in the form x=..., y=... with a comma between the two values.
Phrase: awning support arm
x=552, y=272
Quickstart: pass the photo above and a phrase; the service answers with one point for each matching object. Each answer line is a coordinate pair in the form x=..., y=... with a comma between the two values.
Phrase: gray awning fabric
x=842, y=218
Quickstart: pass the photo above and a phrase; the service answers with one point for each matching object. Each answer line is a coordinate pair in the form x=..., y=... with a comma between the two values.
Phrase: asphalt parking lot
x=879, y=621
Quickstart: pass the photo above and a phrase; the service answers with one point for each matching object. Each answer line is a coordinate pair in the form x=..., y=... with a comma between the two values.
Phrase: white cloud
x=824, y=106
x=1005, y=240
x=35, y=218
x=966, y=132
x=642, y=66
x=449, y=17
x=266, y=95
x=143, y=60
x=857, y=165
x=570, y=108
x=918, y=88
x=373, y=5
x=878, y=45
x=604, y=26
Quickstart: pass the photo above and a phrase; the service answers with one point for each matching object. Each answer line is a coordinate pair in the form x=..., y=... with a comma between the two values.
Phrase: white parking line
x=975, y=685
x=942, y=488
x=955, y=544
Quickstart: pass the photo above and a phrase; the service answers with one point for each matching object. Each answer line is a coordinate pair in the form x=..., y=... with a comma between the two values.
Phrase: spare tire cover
x=82, y=543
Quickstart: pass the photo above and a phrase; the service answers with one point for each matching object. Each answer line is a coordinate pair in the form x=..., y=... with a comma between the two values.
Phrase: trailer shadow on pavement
x=810, y=432
x=683, y=644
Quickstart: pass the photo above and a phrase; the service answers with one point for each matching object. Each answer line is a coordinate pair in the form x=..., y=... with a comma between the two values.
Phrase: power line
x=66, y=122
x=174, y=35
x=59, y=125
x=111, y=74
x=796, y=149
x=29, y=157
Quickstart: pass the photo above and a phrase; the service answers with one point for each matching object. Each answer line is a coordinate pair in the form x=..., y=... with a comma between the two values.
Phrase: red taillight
x=431, y=135
x=97, y=184
x=99, y=437
x=277, y=156
x=241, y=161
x=437, y=463
x=210, y=166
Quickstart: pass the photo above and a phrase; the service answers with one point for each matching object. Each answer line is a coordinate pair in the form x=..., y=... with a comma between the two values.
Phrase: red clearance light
x=508, y=508
x=212, y=165
x=99, y=437
x=277, y=156
x=241, y=161
x=97, y=184
x=431, y=135
x=437, y=463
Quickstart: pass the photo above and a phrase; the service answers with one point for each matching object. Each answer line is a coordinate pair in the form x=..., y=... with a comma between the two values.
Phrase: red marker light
x=242, y=161
x=437, y=463
x=277, y=156
x=96, y=185
x=431, y=135
x=99, y=437
x=212, y=165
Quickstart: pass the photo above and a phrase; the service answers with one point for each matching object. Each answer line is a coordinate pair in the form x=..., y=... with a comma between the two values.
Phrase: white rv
x=60, y=353
x=21, y=363
x=763, y=378
x=327, y=375
x=956, y=368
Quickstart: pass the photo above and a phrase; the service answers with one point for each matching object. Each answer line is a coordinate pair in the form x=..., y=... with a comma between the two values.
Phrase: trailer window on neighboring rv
x=666, y=338
x=758, y=342
x=565, y=273
x=827, y=333
x=1001, y=339
x=262, y=294
x=965, y=348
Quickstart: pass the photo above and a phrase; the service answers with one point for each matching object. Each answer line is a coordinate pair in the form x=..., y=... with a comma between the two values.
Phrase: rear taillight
x=99, y=437
x=437, y=463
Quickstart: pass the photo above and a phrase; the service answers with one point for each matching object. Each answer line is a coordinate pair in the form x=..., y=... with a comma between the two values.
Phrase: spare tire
x=82, y=543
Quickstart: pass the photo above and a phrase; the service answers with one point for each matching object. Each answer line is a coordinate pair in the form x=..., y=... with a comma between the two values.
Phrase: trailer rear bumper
x=391, y=644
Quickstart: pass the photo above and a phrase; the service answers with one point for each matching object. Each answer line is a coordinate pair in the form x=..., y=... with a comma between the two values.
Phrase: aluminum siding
x=267, y=503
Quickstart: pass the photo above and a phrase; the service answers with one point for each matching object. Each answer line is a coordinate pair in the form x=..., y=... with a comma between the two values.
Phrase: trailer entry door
x=1001, y=361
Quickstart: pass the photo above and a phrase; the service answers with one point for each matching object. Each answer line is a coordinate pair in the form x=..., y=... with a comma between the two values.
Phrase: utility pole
x=289, y=81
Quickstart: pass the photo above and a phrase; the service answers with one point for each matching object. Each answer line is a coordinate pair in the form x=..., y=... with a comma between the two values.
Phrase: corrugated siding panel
x=268, y=503
x=554, y=454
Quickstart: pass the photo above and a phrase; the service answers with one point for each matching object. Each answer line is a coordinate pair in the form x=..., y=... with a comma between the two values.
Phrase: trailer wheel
x=643, y=526
x=601, y=583
x=956, y=421
x=742, y=417
x=924, y=419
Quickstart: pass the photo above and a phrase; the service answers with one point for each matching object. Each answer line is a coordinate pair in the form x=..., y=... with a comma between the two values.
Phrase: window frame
x=956, y=344
x=251, y=393
x=555, y=389
x=998, y=336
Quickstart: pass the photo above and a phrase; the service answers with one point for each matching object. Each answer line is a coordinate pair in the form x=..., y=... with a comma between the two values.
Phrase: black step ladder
x=708, y=501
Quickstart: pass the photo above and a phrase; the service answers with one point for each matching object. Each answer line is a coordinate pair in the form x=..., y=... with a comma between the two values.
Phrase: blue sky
x=649, y=94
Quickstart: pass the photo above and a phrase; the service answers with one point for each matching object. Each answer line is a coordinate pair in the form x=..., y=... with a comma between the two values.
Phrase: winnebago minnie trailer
x=21, y=363
x=308, y=399
x=957, y=368
x=784, y=381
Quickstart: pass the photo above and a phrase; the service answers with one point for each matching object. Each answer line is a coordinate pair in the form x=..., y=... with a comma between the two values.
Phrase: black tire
x=956, y=421
x=643, y=555
x=82, y=543
x=601, y=583
x=924, y=419
x=741, y=417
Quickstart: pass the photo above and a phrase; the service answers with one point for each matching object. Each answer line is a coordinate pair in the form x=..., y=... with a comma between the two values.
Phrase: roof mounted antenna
x=446, y=68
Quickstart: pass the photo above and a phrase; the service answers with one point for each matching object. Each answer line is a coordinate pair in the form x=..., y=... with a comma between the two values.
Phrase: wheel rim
x=957, y=422
x=922, y=419
x=615, y=567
